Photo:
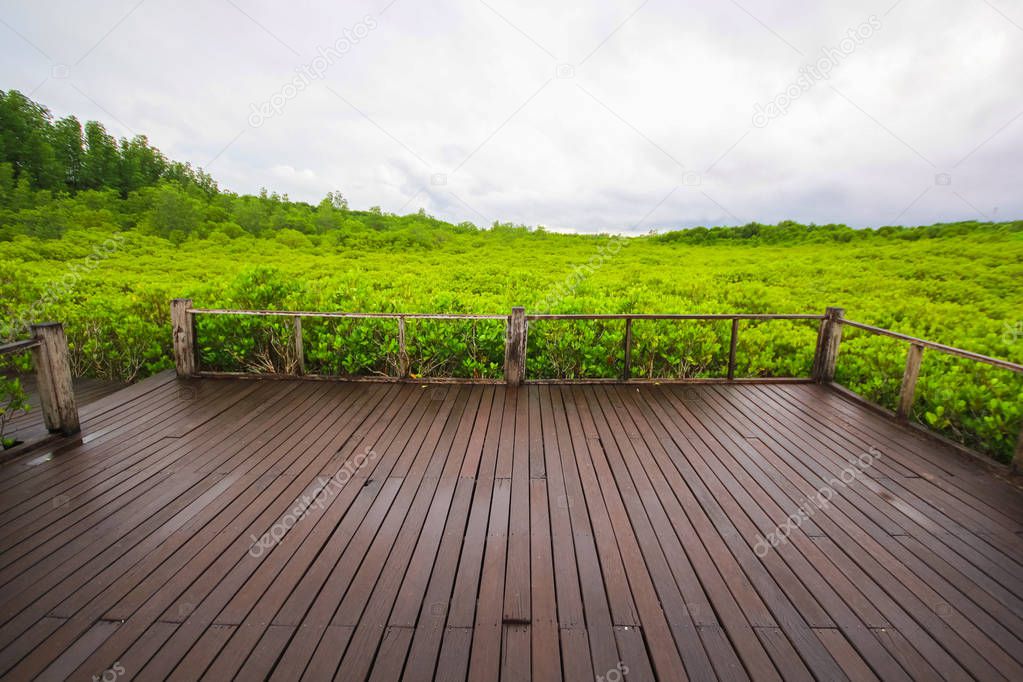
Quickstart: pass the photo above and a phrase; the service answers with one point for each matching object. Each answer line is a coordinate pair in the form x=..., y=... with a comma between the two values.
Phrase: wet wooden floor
x=232, y=529
x=28, y=426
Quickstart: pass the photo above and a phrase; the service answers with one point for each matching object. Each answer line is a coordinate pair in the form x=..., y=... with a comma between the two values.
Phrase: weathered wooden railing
x=829, y=338
x=914, y=359
x=53, y=376
x=628, y=318
x=183, y=317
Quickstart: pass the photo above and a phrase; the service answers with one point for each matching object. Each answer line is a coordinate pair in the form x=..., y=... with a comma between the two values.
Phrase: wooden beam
x=183, y=329
x=18, y=346
x=403, y=362
x=828, y=339
x=731, y=349
x=627, y=370
x=909, y=377
x=53, y=376
x=515, y=347
x=931, y=345
x=299, y=351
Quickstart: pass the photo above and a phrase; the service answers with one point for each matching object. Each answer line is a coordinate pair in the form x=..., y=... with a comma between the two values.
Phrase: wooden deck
x=485, y=532
x=29, y=427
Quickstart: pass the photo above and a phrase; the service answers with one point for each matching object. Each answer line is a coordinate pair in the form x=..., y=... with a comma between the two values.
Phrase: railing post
x=731, y=348
x=403, y=363
x=828, y=339
x=627, y=370
x=515, y=347
x=53, y=375
x=909, y=377
x=183, y=327
x=299, y=351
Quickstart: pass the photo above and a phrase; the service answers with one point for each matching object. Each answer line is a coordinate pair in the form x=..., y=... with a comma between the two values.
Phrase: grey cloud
x=592, y=146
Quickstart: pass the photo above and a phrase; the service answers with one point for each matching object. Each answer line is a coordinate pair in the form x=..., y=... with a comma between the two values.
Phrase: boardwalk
x=224, y=529
x=28, y=426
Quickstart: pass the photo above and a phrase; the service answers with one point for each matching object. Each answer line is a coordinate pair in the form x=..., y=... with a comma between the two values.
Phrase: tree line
x=58, y=174
x=63, y=155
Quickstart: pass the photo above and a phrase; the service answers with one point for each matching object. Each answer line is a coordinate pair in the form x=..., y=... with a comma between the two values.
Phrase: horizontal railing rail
x=672, y=316
x=367, y=316
x=825, y=356
x=949, y=350
x=18, y=346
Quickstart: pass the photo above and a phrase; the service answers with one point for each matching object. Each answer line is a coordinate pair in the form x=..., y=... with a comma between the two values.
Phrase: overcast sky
x=619, y=116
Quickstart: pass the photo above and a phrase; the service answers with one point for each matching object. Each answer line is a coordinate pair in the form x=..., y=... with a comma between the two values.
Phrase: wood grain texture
x=228, y=529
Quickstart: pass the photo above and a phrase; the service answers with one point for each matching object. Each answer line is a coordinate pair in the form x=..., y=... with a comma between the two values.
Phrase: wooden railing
x=914, y=359
x=829, y=338
x=629, y=318
x=183, y=317
x=53, y=376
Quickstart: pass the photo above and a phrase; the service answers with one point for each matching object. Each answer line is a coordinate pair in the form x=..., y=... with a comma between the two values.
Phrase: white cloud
x=470, y=90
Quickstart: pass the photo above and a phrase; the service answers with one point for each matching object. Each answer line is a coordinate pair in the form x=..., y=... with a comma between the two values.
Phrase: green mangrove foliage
x=101, y=234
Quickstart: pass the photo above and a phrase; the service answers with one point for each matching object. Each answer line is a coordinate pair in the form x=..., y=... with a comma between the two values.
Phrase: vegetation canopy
x=101, y=233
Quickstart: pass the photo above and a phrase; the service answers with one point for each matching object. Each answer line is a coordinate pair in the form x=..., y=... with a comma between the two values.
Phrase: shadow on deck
x=233, y=528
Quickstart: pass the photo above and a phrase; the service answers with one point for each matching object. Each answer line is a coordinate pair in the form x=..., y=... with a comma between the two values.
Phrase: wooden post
x=299, y=352
x=183, y=327
x=909, y=377
x=53, y=375
x=403, y=363
x=627, y=370
x=828, y=339
x=731, y=348
x=515, y=347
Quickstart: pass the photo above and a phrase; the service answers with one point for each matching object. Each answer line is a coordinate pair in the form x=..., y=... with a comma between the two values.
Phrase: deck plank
x=483, y=532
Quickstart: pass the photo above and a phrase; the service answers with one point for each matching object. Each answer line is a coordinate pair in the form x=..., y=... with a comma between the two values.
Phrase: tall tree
x=100, y=165
x=69, y=150
x=25, y=134
x=141, y=165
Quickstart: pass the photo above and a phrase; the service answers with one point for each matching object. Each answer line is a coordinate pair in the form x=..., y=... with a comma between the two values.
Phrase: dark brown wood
x=978, y=458
x=829, y=337
x=733, y=341
x=909, y=377
x=29, y=427
x=489, y=532
x=183, y=336
x=53, y=379
x=515, y=348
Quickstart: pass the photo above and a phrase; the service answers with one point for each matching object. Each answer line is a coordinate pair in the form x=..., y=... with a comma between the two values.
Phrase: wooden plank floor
x=28, y=426
x=230, y=529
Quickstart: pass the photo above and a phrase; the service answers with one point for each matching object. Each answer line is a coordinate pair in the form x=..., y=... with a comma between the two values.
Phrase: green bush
x=12, y=401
